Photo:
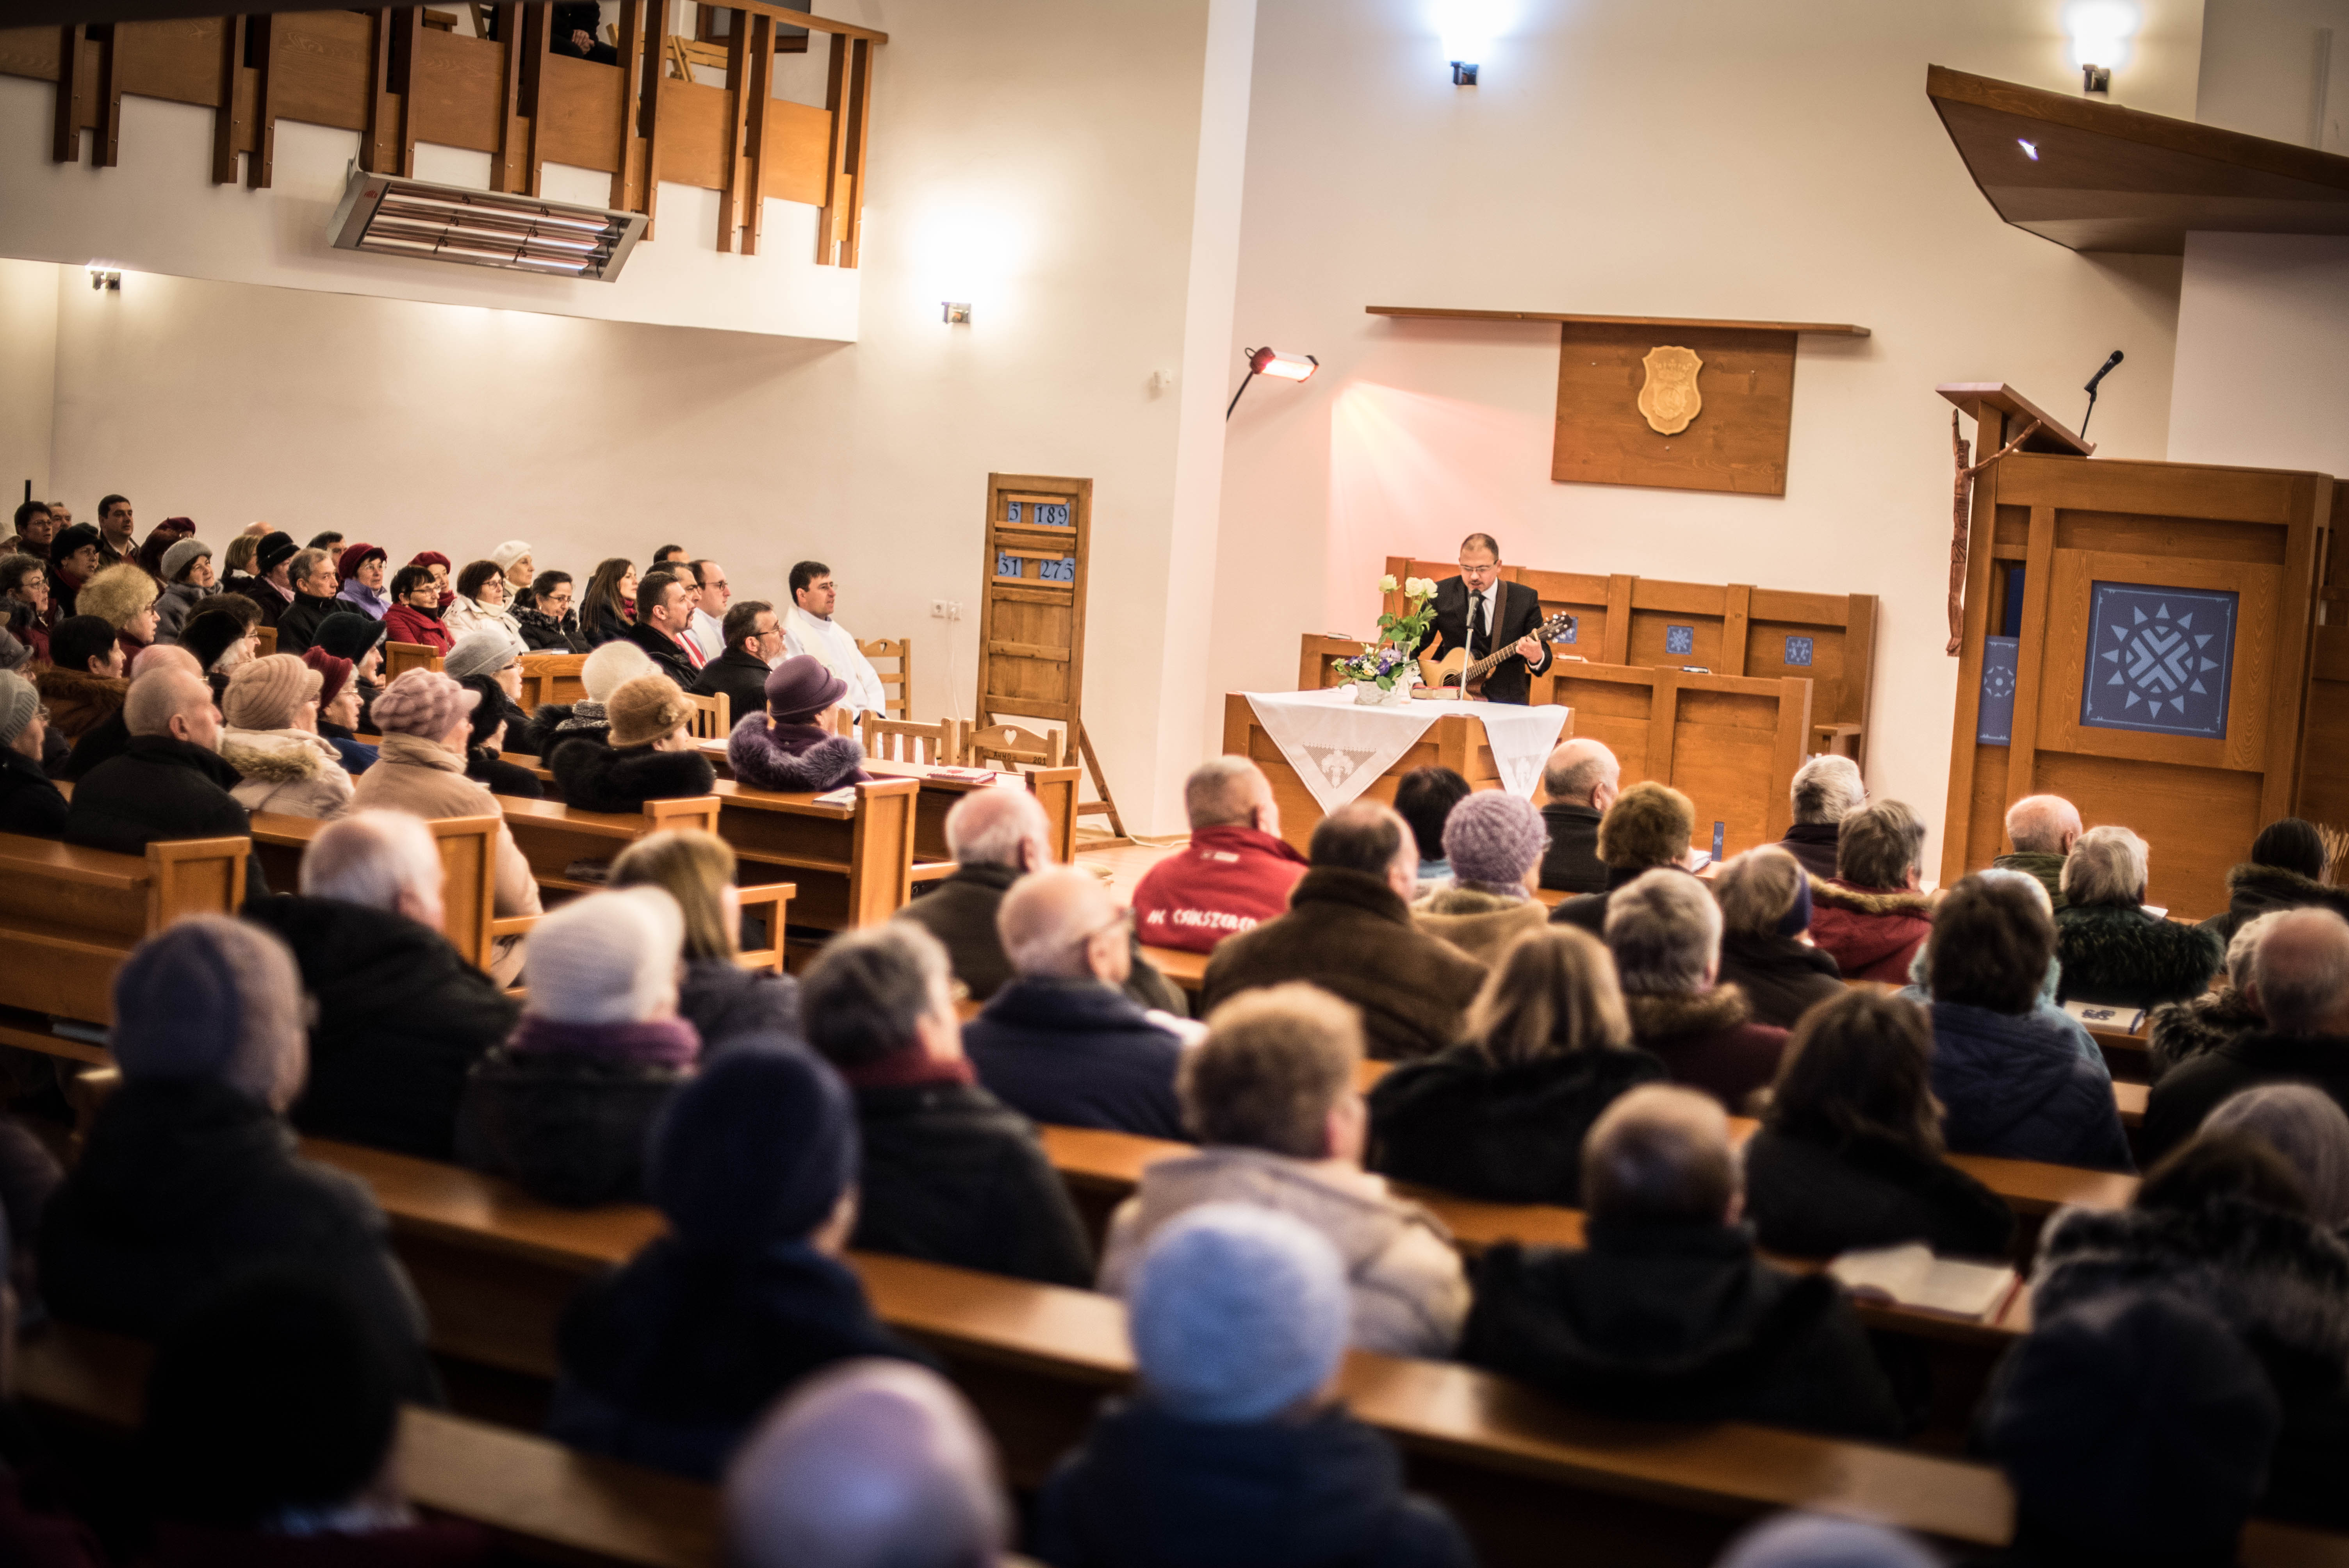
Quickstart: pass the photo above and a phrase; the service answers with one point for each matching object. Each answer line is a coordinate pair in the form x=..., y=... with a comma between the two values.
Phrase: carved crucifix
x=1961, y=494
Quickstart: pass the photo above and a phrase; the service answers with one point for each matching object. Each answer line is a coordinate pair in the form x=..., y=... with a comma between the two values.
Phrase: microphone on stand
x=2102, y=371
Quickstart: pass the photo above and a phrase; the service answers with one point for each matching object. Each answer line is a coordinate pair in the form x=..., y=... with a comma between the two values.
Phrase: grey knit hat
x=1238, y=1313
x=482, y=653
x=1494, y=838
x=182, y=555
x=18, y=703
x=211, y=999
x=15, y=653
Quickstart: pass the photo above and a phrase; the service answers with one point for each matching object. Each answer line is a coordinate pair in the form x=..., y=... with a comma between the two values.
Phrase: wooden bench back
x=265, y=639
x=551, y=678
x=712, y=716
x=398, y=658
x=68, y=916
x=898, y=685
x=938, y=745
x=1012, y=745
x=468, y=853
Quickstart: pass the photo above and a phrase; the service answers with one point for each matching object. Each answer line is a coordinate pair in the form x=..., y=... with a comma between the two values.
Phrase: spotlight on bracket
x=1273, y=362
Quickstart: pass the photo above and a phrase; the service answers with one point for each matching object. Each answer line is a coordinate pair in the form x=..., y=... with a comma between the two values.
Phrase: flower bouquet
x=1384, y=671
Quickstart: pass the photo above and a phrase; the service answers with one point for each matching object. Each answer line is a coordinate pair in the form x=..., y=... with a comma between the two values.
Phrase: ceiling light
x=1273, y=362
x=394, y=217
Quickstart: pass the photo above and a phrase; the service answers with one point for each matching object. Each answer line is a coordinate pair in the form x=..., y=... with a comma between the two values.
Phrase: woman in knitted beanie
x=651, y=756
x=188, y=581
x=1492, y=840
x=29, y=803
x=272, y=739
x=361, y=568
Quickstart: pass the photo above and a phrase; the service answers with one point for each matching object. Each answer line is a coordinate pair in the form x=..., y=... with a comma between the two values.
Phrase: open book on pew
x=2112, y=1019
x=1911, y=1276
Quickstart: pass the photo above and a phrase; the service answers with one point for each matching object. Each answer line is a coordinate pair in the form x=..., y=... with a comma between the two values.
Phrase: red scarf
x=912, y=1068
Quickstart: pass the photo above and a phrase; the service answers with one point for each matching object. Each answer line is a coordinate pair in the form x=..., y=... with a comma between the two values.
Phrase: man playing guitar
x=1478, y=610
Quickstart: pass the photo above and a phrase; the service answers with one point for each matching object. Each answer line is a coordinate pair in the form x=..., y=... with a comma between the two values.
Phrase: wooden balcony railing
x=397, y=82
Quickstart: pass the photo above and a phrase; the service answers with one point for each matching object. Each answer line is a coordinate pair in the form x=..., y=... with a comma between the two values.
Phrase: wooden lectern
x=2137, y=639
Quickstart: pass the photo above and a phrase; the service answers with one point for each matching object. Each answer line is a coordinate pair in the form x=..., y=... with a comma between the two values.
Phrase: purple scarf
x=656, y=1043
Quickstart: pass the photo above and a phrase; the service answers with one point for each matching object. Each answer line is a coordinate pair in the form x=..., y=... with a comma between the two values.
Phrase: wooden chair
x=398, y=658
x=684, y=53
x=890, y=740
x=1011, y=745
x=712, y=718
x=897, y=685
x=768, y=903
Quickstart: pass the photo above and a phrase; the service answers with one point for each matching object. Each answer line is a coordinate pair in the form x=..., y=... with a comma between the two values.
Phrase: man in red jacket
x=1236, y=871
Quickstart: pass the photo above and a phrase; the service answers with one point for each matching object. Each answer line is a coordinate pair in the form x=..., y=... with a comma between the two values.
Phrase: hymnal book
x=967, y=775
x=2114, y=1020
x=1910, y=1276
x=844, y=796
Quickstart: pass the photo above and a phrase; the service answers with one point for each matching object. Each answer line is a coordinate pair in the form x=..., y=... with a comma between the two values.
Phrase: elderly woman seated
x=1664, y=930
x=1766, y=911
x=2114, y=950
x=1872, y=916
x=1492, y=842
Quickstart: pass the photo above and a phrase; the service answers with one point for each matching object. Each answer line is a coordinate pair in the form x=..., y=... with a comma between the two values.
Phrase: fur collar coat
x=789, y=758
x=1871, y=933
x=1708, y=1040
x=594, y=776
x=2119, y=955
x=2255, y=890
x=290, y=771
x=1483, y=925
x=2182, y=1031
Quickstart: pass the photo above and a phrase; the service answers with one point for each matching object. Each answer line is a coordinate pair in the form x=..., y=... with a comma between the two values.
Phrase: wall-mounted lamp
x=955, y=315
x=1463, y=74
x=2097, y=80
x=102, y=276
x=2101, y=32
x=1272, y=361
x=1468, y=28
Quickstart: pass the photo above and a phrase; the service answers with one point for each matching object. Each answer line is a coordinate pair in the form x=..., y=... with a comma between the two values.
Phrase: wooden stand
x=1032, y=624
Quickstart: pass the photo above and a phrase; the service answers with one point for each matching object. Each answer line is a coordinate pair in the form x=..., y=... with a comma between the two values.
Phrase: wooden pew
x=552, y=835
x=550, y=677
x=469, y=862
x=853, y=864
x=1518, y=1468
x=543, y=1501
x=69, y=915
x=398, y=658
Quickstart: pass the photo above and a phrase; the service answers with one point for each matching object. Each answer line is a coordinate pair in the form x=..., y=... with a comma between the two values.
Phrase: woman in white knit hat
x=512, y=558
x=272, y=739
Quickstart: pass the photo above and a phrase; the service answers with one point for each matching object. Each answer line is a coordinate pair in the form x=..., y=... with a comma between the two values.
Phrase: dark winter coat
x=2180, y=1032
x=771, y=755
x=1348, y=933
x=1678, y=1322
x=2175, y=1110
x=545, y=634
x=1589, y=910
x=1709, y=1042
x=668, y=657
x=439, y=1543
x=671, y=1359
x=603, y=623
x=2016, y=1084
x=1571, y=863
x=557, y=722
x=298, y=628
x=1782, y=978
x=498, y=777
x=2278, y=1280
x=2254, y=890
x=2046, y=865
x=77, y=700
x=1513, y=1134
x=402, y=1020
x=952, y=1175
x=723, y=1001
x=594, y=777
x=959, y=911
x=158, y=788
x=1150, y=1490
x=1815, y=846
x=29, y=803
x=1870, y=932
x=1077, y=1053
x=2118, y=953
x=741, y=677
x=101, y=742
x=1808, y=1200
x=183, y=1182
x=571, y=1129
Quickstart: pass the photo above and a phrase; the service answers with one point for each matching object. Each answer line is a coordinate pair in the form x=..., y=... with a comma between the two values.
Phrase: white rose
x=1387, y=583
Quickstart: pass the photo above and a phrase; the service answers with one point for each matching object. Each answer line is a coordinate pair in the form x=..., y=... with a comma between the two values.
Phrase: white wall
x=28, y=376
x=2263, y=352
x=2267, y=72
x=1704, y=159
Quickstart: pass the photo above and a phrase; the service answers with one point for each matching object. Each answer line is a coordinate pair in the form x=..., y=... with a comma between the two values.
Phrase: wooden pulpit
x=2137, y=639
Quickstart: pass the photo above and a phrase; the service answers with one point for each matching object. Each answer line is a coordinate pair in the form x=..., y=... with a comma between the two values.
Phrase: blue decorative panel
x=2159, y=659
x=1011, y=511
x=1007, y=566
x=1064, y=570
x=1680, y=639
x=1994, y=723
x=1798, y=650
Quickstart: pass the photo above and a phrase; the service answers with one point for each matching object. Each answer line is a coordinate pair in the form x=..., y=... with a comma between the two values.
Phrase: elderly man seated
x=1061, y=1043
x=870, y=1462
x=1235, y=874
x=1349, y=930
x=1579, y=781
x=401, y=1016
x=1826, y=791
x=169, y=782
x=1664, y=930
x=997, y=836
x=1666, y=1314
x=2042, y=828
x=2298, y=981
x=1270, y=1094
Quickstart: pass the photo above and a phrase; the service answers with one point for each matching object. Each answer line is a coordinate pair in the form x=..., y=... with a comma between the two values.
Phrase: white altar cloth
x=1338, y=747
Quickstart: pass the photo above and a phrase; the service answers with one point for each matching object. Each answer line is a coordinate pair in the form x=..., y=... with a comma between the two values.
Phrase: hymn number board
x=1032, y=630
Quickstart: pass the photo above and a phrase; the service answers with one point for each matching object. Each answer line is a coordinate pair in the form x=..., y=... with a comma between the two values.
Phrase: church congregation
x=1642, y=1046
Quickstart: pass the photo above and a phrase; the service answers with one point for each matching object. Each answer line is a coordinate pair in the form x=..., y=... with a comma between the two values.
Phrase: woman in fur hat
x=651, y=756
x=791, y=746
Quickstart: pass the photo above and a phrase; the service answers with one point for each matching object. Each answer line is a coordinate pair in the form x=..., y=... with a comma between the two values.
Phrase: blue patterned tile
x=1680, y=639
x=2159, y=659
x=1994, y=722
x=1798, y=650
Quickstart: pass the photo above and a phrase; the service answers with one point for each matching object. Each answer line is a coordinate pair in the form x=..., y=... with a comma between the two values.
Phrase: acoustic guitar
x=1452, y=667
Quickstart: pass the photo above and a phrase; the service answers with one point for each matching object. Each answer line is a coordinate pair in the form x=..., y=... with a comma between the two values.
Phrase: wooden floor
x=1126, y=864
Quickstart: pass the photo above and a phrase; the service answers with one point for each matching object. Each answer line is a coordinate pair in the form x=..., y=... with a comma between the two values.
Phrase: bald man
x=169, y=781
x=110, y=735
x=1666, y=1312
x=2297, y=978
x=1579, y=781
x=868, y=1463
x=2042, y=828
x=1061, y=1044
x=1236, y=872
x=997, y=836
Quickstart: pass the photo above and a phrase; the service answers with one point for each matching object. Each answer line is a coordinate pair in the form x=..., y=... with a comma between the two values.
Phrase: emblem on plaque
x=1669, y=399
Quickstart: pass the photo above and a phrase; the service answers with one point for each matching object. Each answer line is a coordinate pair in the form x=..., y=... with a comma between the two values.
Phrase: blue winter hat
x=1797, y=918
x=1237, y=1313
x=755, y=1150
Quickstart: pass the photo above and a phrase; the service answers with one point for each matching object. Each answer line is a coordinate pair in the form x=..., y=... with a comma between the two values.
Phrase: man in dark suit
x=754, y=644
x=1480, y=610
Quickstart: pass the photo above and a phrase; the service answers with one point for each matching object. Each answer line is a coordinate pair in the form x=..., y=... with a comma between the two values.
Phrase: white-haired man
x=2042, y=828
x=1826, y=791
x=401, y=1017
x=1579, y=781
x=1235, y=874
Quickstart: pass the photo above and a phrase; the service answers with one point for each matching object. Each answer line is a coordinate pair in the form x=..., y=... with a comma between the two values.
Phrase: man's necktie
x=1479, y=639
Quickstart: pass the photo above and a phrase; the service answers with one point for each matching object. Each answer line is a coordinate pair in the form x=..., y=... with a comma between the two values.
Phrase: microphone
x=2102, y=371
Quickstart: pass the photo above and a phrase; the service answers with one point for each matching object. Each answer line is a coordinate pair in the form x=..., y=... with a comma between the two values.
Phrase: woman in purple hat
x=791, y=746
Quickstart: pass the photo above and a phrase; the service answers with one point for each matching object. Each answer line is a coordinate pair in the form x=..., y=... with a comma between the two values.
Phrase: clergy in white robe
x=829, y=643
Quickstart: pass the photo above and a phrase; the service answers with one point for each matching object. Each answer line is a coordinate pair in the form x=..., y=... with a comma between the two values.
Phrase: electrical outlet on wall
x=945, y=610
